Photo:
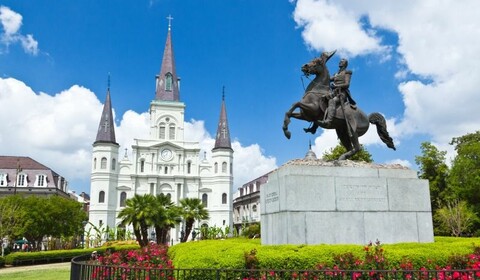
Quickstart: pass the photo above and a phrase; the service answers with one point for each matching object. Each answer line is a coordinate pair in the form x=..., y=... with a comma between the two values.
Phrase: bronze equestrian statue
x=331, y=106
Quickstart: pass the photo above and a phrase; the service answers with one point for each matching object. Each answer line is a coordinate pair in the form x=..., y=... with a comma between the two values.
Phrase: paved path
x=12, y=269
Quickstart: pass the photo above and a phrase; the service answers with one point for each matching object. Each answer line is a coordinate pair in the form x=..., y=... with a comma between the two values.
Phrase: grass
x=40, y=274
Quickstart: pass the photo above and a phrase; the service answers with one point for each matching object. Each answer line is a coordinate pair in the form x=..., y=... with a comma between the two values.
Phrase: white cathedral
x=164, y=163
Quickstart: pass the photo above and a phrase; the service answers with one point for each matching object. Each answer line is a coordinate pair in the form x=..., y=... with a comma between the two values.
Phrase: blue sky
x=416, y=64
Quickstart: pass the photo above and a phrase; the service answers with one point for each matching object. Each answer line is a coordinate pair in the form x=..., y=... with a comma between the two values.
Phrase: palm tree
x=192, y=209
x=139, y=212
x=167, y=216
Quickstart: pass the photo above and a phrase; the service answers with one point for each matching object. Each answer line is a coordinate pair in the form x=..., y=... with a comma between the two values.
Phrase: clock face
x=166, y=154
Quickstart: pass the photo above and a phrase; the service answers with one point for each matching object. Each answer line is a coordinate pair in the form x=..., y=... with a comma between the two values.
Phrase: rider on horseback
x=340, y=91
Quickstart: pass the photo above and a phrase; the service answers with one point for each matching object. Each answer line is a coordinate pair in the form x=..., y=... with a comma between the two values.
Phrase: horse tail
x=378, y=120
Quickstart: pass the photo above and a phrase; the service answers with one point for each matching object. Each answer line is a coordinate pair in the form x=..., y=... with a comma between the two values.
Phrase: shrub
x=251, y=231
x=229, y=253
x=25, y=258
x=2, y=261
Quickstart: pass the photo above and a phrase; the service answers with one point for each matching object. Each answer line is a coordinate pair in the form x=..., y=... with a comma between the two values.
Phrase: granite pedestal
x=317, y=202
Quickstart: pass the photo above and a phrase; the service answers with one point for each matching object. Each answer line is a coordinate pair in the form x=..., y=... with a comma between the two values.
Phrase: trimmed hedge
x=230, y=253
x=28, y=258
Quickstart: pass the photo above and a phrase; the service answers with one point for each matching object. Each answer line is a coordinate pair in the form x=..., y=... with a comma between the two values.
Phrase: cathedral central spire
x=167, y=87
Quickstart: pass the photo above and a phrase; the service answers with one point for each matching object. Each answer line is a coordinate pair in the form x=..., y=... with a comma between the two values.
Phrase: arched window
x=101, y=197
x=231, y=168
x=254, y=208
x=189, y=167
x=168, y=81
x=224, y=198
x=165, y=170
x=123, y=197
x=94, y=163
x=216, y=167
x=103, y=163
x=161, y=131
x=205, y=200
x=142, y=165
x=224, y=167
x=169, y=196
x=114, y=163
x=171, y=132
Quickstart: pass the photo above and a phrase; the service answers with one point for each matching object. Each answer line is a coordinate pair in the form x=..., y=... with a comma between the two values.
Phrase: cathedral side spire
x=167, y=87
x=222, y=140
x=106, y=129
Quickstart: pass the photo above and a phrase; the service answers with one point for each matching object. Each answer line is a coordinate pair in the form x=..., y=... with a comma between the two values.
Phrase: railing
x=83, y=269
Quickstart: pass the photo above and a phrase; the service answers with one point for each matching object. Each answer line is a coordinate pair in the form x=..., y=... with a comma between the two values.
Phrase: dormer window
x=41, y=181
x=22, y=180
x=3, y=180
x=168, y=82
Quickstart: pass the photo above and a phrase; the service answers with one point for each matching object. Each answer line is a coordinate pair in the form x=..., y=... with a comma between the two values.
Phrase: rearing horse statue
x=349, y=123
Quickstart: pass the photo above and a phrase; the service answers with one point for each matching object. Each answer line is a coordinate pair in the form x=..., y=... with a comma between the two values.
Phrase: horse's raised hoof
x=311, y=130
x=288, y=134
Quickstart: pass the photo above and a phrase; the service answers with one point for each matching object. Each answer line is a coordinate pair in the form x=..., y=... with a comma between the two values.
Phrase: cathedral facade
x=165, y=163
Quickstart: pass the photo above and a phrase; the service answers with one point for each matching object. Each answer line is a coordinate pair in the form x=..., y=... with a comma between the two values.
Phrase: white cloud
x=401, y=162
x=328, y=26
x=11, y=22
x=438, y=42
x=55, y=130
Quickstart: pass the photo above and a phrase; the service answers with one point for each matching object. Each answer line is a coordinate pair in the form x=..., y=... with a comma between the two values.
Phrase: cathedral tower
x=104, y=170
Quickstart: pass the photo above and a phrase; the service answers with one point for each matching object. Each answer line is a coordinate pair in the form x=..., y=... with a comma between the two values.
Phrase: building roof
x=12, y=166
x=106, y=129
x=222, y=140
x=167, y=88
x=14, y=162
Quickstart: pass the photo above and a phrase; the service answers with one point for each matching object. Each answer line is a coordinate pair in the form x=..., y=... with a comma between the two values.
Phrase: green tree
x=167, y=216
x=53, y=216
x=11, y=217
x=140, y=213
x=335, y=153
x=432, y=167
x=456, y=217
x=192, y=209
x=464, y=178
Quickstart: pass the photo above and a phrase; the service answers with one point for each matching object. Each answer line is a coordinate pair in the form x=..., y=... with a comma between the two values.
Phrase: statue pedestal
x=317, y=202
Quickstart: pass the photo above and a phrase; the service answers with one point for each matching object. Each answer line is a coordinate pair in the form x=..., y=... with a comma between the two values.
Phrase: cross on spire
x=169, y=22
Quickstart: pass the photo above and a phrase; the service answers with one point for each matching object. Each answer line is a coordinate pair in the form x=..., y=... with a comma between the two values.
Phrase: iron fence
x=82, y=269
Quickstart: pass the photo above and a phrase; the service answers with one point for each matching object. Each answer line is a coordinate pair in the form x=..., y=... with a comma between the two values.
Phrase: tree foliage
x=36, y=217
x=456, y=216
x=192, y=209
x=335, y=153
x=434, y=169
x=464, y=176
x=143, y=212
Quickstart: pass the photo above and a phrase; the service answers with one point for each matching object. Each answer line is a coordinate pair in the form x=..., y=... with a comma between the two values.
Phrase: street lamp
x=84, y=223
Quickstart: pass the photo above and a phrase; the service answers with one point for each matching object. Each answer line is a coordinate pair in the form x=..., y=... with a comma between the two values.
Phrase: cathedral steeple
x=106, y=130
x=222, y=140
x=167, y=82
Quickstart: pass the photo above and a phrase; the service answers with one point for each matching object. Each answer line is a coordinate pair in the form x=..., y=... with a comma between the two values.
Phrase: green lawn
x=41, y=274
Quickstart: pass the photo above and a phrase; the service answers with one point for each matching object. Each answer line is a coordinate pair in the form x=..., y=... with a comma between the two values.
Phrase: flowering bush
x=150, y=262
